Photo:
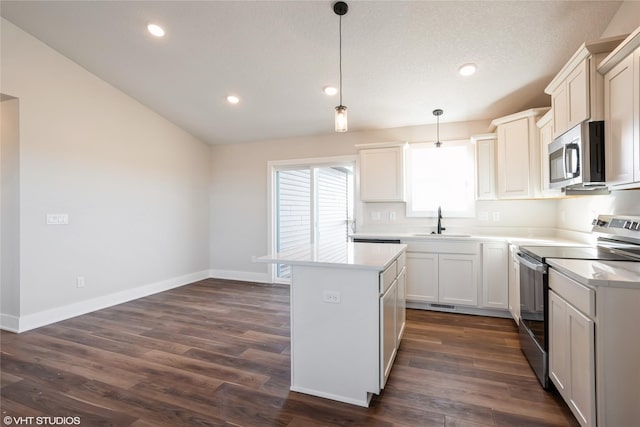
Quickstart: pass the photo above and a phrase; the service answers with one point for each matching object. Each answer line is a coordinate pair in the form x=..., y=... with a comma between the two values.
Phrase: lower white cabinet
x=422, y=277
x=495, y=275
x=594, y=346
x=459, y=274
x=392, y=315
x=458, y=279
x=401, y=305
x=514, y=284
x=446, y=277
x=572, y=351
x=388, y=338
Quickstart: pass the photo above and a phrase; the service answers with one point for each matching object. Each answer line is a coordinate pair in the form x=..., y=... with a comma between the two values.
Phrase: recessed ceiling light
x=467, y=69
x=156, y=30
x=232, y=99
x=330, y=90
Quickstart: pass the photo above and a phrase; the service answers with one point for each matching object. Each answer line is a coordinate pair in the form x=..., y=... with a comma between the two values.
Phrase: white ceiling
x=400, y=59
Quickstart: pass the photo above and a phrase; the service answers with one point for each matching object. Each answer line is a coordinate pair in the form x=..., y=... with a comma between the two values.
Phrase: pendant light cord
x=340, y=50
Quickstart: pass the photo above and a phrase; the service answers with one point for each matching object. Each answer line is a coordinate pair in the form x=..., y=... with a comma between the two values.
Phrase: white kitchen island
x=347, y=317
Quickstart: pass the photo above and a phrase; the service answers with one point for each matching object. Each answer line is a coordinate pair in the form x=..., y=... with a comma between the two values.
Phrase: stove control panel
x=617, y=226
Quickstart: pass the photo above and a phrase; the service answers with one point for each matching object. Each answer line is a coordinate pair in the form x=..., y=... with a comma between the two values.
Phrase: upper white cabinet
x=577, y=90
x=545, y=136
x=570, y=101
x=382, y=173
x=621, y=71
x=485, y=166
x=518, y=154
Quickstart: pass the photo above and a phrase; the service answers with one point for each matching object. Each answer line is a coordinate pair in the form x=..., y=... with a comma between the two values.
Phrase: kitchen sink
x=440, y=235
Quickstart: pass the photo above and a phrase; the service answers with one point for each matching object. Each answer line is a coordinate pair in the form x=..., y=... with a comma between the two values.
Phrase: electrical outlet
x=57, y=219
x=392, y=216
x=375, y=215
x=483, y=216
x=496, y=216
x=332, y=297
x=80, y=282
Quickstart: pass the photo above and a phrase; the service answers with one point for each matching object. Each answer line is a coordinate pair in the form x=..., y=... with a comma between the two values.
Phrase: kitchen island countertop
x=368, y=256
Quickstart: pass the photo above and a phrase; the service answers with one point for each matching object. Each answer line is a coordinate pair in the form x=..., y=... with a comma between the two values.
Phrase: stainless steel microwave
x=576, y=158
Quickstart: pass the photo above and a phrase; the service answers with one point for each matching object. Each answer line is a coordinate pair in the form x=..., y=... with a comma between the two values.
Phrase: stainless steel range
x=619, y=240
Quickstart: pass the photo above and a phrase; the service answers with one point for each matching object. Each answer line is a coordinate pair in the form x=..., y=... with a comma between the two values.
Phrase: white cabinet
x=485, y=166
x=518, y=155
x=513, y=158
x=577, y=90
x=445, y=273
x=388, y=337
x=572, y=346
x=401, y=305
x=422, y=277
x=392, y=314
x=593, y=342
x=572, y=358
x=495, y=263
x=458, y=279
x=559, y=357
x=570, y=100
x=622, y=123
x=514, y=284
x=545, y=135
x=382, y=174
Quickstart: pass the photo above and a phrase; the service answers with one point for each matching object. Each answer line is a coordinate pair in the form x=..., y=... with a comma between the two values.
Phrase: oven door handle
x=533, y=266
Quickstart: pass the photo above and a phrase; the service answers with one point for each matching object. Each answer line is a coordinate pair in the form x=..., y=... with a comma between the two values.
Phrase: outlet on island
x=332, y=297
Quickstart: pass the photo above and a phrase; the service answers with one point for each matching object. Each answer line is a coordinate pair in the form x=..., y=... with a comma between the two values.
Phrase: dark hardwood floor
x=216, y=352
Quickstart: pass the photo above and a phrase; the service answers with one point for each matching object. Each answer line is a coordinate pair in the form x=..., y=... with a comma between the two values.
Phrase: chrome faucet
x=440, y=227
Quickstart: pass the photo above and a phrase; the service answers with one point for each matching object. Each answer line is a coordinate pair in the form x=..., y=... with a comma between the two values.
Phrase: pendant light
x=341, y=8
x=438, y=112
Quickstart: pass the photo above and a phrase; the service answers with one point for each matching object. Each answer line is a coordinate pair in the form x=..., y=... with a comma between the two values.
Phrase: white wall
x=626, y=19
x=10, y=211
x=576, y=213
x=135, y=187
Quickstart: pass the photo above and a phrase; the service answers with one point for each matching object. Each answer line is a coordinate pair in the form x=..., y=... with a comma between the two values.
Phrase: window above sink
x=441, y=176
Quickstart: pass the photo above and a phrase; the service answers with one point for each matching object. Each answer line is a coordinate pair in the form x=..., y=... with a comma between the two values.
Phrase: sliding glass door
x=312, y=204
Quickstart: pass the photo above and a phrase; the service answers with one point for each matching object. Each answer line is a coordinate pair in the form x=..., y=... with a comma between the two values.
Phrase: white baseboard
x=46, y=317
x=244, y=276
x=9, y=323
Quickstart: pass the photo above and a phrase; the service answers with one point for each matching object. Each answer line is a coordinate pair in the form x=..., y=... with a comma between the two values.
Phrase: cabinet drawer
x=388, y=276
x=576, y=294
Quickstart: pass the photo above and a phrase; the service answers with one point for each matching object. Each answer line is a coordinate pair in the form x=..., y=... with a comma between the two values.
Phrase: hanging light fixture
x=438, y=112
x=341, y=8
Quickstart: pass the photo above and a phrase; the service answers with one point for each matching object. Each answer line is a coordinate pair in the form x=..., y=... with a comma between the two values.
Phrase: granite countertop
x=368, y=256
x=599, y=273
